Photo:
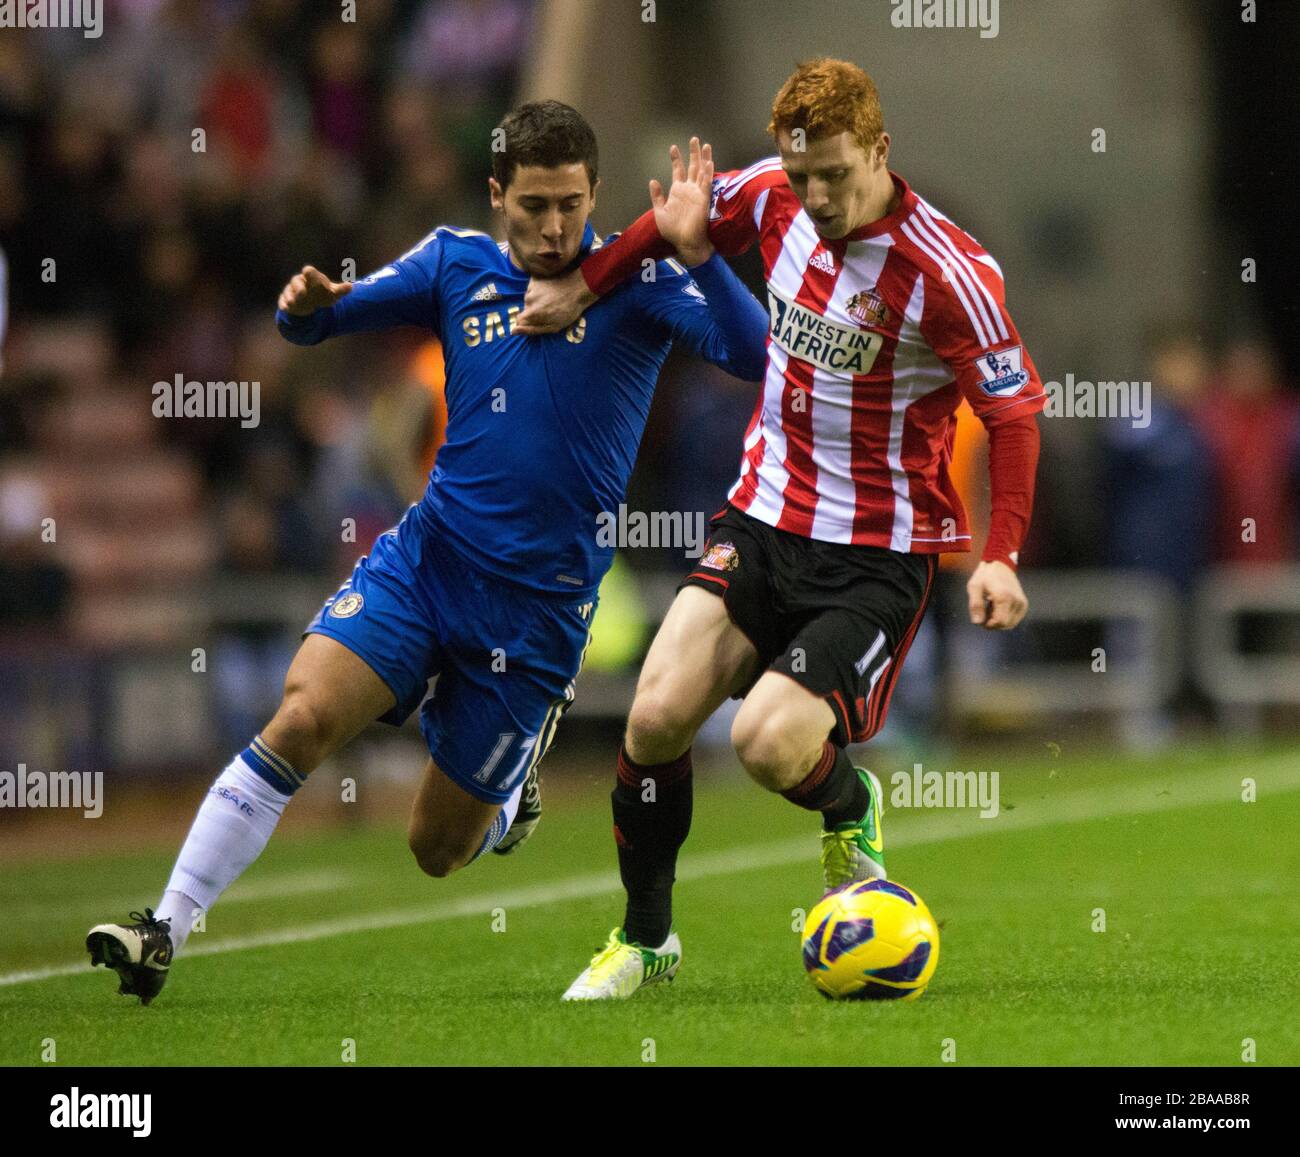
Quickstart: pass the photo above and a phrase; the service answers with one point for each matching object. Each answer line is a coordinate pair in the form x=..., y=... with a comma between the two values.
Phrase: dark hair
x=545, y=133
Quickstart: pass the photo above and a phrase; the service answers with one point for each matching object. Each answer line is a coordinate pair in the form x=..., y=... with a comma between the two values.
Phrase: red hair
x=825, y=97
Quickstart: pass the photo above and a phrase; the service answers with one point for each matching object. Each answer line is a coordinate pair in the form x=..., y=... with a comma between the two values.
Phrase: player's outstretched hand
x=997, y=601
x=553, y=303
x=311, y=290
x=683, y=215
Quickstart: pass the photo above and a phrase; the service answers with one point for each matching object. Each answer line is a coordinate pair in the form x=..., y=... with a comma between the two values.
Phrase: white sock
x=234, y=824
x=501, y=825
x=180, y=911
x=511, y=807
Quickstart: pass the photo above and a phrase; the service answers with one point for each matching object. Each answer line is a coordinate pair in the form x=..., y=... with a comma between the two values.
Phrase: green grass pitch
x=336, y=936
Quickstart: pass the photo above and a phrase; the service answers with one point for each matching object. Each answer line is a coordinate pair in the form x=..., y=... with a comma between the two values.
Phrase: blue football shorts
x=505, y=657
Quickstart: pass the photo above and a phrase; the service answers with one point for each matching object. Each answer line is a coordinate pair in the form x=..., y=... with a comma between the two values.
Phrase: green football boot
x=855, y=851
x=620, y=969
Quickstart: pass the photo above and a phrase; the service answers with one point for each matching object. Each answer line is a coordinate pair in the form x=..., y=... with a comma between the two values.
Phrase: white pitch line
x=290, y=884
x=1219, y=785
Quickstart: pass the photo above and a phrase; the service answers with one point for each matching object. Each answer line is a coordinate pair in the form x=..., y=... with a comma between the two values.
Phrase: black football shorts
x=836, y=618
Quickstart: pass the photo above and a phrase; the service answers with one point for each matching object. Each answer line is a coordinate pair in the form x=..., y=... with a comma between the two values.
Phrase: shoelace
x=839, y=856
x=149, y=921
x=606, y=958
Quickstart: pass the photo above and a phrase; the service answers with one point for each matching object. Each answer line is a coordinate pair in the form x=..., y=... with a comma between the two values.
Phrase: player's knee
x=657, y=729
x=437, y=857
x=770, y=748
x=302, y=730
x=438, y=863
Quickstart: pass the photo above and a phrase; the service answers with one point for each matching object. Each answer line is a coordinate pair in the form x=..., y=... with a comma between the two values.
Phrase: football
x=872, y=940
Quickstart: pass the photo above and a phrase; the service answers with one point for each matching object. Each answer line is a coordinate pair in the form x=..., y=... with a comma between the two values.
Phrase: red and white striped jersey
x=875, y=339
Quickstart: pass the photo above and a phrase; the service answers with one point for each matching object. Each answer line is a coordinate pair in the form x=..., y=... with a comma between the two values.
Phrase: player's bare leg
x=780, y=735
x=779, y=731
x=698, y=659
x=448, y=826
x=330, y=695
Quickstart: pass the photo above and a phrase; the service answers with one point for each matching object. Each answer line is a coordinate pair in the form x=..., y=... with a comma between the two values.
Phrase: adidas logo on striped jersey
x=487, y=293
x=824, y=261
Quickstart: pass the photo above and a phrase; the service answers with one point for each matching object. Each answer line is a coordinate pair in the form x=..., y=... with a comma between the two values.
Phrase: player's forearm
x=1013, y=465
x=614, y=263
x=369, y=308
x=739, y=338
x=306, y=329
x=399, y=294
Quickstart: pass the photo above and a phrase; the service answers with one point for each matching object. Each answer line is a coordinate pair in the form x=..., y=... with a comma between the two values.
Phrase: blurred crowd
x=1212, y=479
x=1214, y=476
x=158, y=186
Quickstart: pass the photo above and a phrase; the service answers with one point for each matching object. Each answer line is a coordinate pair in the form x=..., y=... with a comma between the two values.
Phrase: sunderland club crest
x=866, y=308
x=721, y=556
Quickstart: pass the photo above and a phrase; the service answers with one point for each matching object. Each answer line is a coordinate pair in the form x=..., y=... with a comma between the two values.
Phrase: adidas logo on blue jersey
x=487, y=293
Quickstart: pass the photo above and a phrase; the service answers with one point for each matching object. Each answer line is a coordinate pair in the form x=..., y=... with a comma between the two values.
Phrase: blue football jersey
x=542, y=432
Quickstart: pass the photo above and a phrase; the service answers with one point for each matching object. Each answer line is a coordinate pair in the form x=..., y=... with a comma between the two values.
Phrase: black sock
x=834, y=788
x=652, y=814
